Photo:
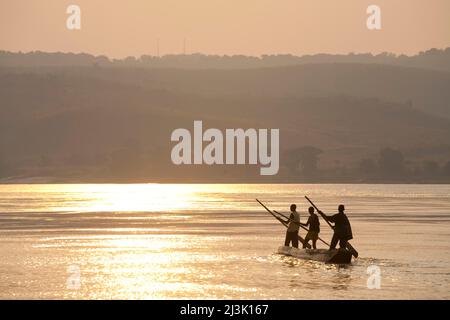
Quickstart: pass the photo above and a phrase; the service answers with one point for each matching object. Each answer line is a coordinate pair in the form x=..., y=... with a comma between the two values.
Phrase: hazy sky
x=251, y=27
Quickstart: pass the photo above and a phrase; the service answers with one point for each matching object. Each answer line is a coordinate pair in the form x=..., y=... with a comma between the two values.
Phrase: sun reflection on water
x=153, y=241
x=144, y=267
x=135, y=198
x=151, y=197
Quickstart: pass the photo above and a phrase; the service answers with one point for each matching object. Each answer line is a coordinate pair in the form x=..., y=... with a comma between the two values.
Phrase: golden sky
x=251, y=27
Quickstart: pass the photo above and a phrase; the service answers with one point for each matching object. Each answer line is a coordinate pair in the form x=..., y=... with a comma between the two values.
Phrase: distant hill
x=114, y=124
x=434, y=59
x=426, y=90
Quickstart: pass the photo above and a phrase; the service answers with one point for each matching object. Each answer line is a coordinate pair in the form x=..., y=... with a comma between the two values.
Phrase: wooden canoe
x=340, y=256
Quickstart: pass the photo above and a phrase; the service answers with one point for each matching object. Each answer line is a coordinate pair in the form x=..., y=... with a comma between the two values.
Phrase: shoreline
x=55, y=180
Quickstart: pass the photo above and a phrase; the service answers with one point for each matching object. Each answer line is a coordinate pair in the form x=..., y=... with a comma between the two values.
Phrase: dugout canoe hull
x=323, y=255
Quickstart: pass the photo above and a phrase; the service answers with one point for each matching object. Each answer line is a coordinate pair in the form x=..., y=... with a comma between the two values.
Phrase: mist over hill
x=426, y=90
x=434, y=59
x=338, y=122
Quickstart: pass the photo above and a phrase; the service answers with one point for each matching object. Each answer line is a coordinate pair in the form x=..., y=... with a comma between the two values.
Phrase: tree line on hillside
x=437, y=59
x=389, y=165
x=298, y=165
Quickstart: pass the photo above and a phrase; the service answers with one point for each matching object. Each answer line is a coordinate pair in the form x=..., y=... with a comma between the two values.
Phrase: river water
x=173, y=241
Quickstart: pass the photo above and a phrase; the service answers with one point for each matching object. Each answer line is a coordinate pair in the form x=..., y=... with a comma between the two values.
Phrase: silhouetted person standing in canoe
x=342, y=228
x=292, y=230
x=314, y=228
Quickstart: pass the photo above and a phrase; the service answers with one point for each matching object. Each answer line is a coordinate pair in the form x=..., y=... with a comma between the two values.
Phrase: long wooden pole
x=349, y=246
x=283, y=222
x=320, y=212
x=303, y=227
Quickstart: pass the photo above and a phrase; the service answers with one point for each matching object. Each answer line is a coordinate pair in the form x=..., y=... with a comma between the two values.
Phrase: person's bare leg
x=334, y=242
x=305, y=242
x=287, y=240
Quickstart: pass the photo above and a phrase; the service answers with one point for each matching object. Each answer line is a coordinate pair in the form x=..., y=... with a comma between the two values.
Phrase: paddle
x=301, y=226
x=278, y=218
x=349, y=246
x=283, y=222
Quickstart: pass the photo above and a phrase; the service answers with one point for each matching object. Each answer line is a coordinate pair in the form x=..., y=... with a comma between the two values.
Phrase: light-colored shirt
x=293, y=226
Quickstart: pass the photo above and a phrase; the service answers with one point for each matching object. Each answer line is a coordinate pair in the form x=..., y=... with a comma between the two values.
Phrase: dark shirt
x=313, y=222
x=342, y=226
